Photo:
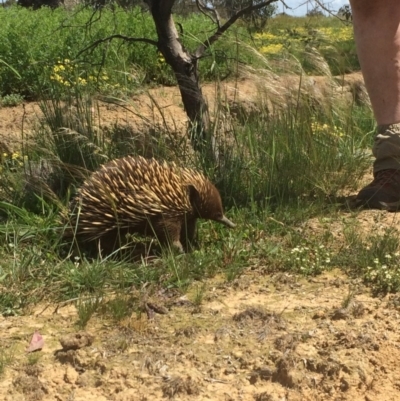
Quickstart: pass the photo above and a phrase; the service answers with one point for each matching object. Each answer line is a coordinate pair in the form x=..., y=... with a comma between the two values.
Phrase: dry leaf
x=37, y=342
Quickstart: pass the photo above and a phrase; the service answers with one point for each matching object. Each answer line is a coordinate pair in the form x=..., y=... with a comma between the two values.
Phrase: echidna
x=147, y=197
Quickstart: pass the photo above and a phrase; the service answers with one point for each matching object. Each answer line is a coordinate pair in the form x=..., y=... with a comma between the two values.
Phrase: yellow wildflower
x=272, y=49
x=266, y=36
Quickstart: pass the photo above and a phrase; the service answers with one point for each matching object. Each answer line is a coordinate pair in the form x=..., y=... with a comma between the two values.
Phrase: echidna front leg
x=188, y=233
x=169, y=232
x=177, y=245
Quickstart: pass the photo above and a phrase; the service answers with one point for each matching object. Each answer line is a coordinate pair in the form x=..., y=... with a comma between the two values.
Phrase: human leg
x=377, y=35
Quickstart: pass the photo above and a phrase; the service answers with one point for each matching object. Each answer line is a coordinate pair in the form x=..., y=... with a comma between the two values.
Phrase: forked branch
x=209, y=12
x=116, y=36
x=223, y=28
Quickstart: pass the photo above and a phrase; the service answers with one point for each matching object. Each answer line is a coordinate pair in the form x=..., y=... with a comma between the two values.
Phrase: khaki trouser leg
x=386, y=147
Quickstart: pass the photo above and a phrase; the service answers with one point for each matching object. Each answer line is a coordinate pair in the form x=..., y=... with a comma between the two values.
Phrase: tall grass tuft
x=69, y=138
x=295, y=143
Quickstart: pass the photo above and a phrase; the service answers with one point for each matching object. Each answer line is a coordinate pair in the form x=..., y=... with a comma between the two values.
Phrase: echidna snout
x=208, y=204
x=224, y=220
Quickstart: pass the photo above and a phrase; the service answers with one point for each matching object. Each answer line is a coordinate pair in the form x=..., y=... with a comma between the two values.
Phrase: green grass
x=280, y=168
x=34, y=66
x=299, y=37
x=288, y=161
x=33, y=270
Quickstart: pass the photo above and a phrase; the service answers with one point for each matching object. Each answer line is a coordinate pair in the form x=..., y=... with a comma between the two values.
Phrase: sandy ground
x=263, y=337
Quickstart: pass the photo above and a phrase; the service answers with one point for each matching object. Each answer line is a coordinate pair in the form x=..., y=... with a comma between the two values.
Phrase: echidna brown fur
x=144, y=196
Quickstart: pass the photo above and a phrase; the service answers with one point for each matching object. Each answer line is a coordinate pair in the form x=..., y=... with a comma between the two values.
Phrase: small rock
x=76, y=358
x=101, y=366
x=237, y=354
x=344, y=384
x=267, y=396
x=30, y=385
x=285, y=375
x=230, y=370
x=70, y=375
x=339, y=314
x=319, y=315
x=253, y=378
x=118, y=373
x=84, y=380
x=264, y=372
x=76, y=340
x=128, y=395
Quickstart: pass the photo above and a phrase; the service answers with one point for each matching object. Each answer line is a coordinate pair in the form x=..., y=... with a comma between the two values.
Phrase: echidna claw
x=178, y=246
x=390, y=207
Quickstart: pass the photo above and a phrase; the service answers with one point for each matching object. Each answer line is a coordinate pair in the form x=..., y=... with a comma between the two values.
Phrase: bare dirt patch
x=260, y=338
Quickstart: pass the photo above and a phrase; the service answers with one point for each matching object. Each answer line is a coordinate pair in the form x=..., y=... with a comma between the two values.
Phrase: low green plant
x=375, y=257
x=384, y=273
x=6, y=357
x=119, y=307
x=11, y=100
x=308, y=259
x=348, y=298
x=86, y=307
x=33, y=358
x=200, y=292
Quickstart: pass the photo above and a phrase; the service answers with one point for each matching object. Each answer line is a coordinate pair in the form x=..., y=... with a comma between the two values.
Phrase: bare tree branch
x=286, y=6
x=222, y=29
x=203, y=8
x=330, y=11
x=116, y=36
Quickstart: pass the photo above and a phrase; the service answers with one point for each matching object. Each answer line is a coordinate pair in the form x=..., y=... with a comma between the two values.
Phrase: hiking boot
x=383, y=192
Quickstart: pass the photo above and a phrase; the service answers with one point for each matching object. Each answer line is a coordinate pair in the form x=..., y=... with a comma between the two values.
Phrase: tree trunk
x=184, y=66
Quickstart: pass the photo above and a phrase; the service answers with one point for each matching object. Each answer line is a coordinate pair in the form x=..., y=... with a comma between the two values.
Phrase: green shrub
x=11, y=100
x=44, y=47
